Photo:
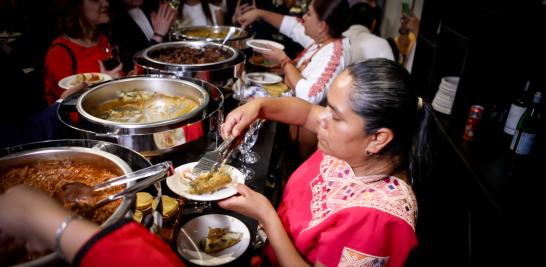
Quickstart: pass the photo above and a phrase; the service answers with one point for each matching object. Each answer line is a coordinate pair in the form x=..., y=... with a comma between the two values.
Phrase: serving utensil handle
x=160, y=168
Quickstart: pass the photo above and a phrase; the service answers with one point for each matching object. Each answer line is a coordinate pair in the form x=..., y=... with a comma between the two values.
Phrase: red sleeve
x=360, y=236
x=126, y=243
x=58, y=64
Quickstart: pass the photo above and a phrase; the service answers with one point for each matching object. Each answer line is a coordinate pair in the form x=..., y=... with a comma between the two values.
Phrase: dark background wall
x=481, y=205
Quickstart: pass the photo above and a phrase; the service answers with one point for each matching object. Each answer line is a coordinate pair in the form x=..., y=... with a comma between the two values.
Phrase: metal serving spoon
x=80, y=194
x=228, y=35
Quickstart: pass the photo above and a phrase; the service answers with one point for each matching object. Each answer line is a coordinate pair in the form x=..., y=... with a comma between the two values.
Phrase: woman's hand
x=242, y=9
x=249, y=203
x=249, y=17
x=240, y=118
x=72, y=90
x=25, y=213
x=163, y=18
x=274, y=54
x=114, y=73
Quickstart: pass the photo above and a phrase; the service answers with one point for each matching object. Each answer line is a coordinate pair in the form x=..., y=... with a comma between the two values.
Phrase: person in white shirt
x=326, y=54
x=364, y=44
x=199, y=13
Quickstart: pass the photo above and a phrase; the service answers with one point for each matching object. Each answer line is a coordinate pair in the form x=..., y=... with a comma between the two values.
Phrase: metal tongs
x=215, y=159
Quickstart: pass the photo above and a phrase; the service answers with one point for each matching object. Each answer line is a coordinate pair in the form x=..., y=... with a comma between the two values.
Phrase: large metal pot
x=219, y=73
x=116, y=158
x=214, y=34
x=148, y=139
x=109, y=91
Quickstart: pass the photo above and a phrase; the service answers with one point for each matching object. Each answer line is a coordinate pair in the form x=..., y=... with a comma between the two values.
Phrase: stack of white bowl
x=443, y=101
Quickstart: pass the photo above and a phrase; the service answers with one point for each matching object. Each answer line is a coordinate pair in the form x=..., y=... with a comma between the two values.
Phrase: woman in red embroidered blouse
x=80, y=46
x=326, y=52
x=351, y=203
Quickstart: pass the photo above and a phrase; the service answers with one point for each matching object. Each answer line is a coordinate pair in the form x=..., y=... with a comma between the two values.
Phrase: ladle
x=228, y=35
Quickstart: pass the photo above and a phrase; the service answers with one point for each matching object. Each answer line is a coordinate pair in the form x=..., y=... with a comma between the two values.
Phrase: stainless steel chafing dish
x=150, y=139
x=219, y=73
x=214, y=34
x=118, y=159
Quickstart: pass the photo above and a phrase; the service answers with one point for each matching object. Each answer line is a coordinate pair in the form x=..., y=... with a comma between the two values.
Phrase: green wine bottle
x=527, y=128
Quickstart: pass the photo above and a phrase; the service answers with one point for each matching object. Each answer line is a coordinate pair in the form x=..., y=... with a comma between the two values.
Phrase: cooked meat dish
x=188, y=55
x=49, y=176
x=209, y=182
x=141, y=106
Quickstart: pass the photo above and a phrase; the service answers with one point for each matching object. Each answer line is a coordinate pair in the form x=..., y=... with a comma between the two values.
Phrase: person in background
x=407, y=37
x=411, y=23
x=199, y=13
x=376, y=12
x=134, y=28
x=81, y=45
x=32, y=216
x=364, y=44
x=326, y=54
x=351, y=203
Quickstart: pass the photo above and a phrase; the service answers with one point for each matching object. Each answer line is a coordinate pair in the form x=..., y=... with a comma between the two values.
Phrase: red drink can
x=474, y=118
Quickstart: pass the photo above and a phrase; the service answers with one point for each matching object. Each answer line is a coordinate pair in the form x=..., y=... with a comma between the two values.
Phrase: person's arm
x=257, y=206
x=33, y=216
x=249, y=17
x=289, y=110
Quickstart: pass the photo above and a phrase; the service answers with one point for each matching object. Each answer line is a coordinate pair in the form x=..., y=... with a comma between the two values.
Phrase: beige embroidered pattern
x=353, y=258
x=337, y=188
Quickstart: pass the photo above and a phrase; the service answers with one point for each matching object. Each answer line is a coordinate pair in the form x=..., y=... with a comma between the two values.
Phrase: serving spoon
x=228, y=35
x=77, y=194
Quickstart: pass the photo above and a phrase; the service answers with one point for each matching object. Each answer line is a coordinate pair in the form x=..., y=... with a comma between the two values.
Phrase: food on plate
x=49, y=176
x=275, y=89
x=189, y=55
x=209, y=182
x=90, y=78
x=142, y=106
x=219, y=239
x=259, y=60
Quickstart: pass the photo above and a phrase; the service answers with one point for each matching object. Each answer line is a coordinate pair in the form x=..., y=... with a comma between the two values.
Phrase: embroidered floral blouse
x=338, y=219
x=318, y=67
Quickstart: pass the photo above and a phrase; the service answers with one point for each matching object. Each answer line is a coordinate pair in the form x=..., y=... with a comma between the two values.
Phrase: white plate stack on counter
x=443, y=101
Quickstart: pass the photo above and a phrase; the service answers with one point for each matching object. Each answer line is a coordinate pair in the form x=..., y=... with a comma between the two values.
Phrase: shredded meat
x=189, y=55
x=49, y=176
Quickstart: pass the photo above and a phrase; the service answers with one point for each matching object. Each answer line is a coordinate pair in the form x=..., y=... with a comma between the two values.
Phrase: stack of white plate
x=443, y=101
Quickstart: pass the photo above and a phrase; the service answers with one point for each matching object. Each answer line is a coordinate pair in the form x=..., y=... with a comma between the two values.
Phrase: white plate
x=192, y=232
x=180, y=186
x=76, y=79
x=259, y=45
x=263, y=78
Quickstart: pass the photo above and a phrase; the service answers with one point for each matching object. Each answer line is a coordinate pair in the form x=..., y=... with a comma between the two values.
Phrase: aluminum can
x=474, y=117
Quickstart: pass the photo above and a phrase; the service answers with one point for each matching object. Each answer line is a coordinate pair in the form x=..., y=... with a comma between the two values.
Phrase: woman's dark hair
x=361, y=14
x=70, y=22
x=382, y=95
x=334, y=13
